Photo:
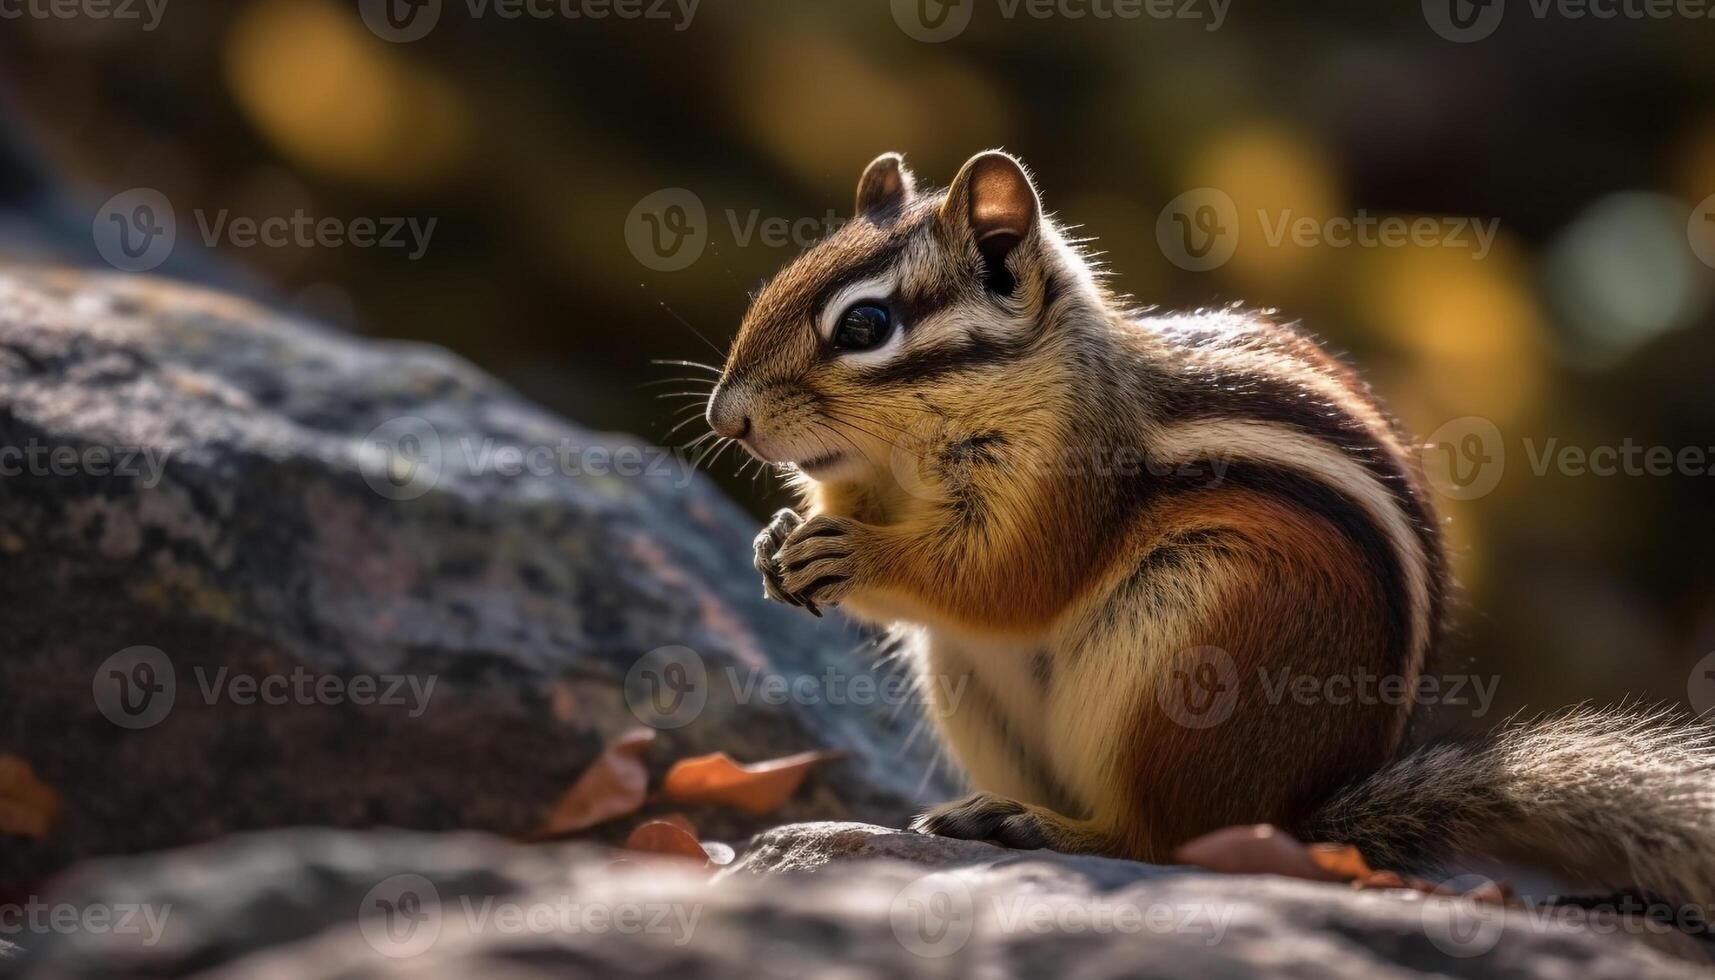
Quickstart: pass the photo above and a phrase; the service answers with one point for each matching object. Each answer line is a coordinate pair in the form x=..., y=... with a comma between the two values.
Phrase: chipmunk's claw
x=767, y=560
x=984, y=816
x=819, y=562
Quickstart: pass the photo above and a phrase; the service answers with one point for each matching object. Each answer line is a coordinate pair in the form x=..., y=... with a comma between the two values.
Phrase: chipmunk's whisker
x=696, y=380
x=682, y=423
x=691, y=364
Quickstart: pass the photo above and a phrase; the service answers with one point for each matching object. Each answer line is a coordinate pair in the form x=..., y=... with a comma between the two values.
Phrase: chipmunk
x=1108, y=520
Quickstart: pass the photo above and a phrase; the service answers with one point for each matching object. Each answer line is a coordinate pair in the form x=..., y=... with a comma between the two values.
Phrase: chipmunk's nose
x=725, y=416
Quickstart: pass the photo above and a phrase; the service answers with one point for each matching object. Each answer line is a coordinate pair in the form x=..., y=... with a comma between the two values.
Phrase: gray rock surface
x=254, y=497
x=822, y=899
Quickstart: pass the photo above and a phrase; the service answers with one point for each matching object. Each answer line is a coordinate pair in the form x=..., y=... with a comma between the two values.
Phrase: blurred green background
x=532, y=142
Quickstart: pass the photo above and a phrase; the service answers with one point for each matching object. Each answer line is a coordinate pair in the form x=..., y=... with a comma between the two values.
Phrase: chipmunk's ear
x=885, y=185
x=993, y=201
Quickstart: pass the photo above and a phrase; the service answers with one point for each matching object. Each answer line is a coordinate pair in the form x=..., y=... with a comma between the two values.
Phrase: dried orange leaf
x=680, y=821
x=1260, y=849
x=614, y=785
x=757, y=788
x=1342, y=860
x=28, y=806
x=661, y=837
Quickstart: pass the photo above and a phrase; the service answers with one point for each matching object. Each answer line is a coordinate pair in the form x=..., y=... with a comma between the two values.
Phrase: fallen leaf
x=661, y=837
x=680, y=821
x=757, y=788
x=1263, y=849
x=1342, y=860
x=614, y=785
x=1260, y=849
x=28, y=806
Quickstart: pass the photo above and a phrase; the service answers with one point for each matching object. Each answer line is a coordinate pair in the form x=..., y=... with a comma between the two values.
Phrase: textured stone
x=262, y=533
x=876, y=903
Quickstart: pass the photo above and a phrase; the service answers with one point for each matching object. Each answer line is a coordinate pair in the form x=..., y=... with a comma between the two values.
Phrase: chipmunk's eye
x=863, y=327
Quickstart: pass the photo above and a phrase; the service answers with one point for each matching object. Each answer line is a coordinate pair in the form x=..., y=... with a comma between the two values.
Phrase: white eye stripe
x=876, y=289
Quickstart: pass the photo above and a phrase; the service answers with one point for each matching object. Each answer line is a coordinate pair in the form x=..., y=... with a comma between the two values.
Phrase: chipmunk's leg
x=1009, y=823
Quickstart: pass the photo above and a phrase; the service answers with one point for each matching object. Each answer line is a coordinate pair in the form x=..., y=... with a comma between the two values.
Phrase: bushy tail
x=1616, y=798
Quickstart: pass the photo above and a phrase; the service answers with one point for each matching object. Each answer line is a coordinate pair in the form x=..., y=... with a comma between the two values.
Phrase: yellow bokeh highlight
x=1695, y=163
x=336, y=99
x=1471, y=331
x=1468, y=338
x=1269, y=169
x=822, y=111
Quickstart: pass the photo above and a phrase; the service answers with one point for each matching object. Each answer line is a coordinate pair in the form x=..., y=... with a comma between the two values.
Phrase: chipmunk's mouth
x=820, y=465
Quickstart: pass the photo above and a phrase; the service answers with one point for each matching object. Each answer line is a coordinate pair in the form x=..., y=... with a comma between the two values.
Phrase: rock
x=307, y=904
x=221, y=529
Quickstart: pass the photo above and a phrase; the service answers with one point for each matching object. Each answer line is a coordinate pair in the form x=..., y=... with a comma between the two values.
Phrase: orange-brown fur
x=1268, y=762
x=1282, y=523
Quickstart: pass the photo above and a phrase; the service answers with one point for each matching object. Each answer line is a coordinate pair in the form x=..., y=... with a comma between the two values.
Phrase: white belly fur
x=1072, y=726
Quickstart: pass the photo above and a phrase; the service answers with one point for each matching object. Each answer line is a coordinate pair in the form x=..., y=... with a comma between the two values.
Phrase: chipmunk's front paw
x=985, y=816
x=823, y=560
x=767, y=561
